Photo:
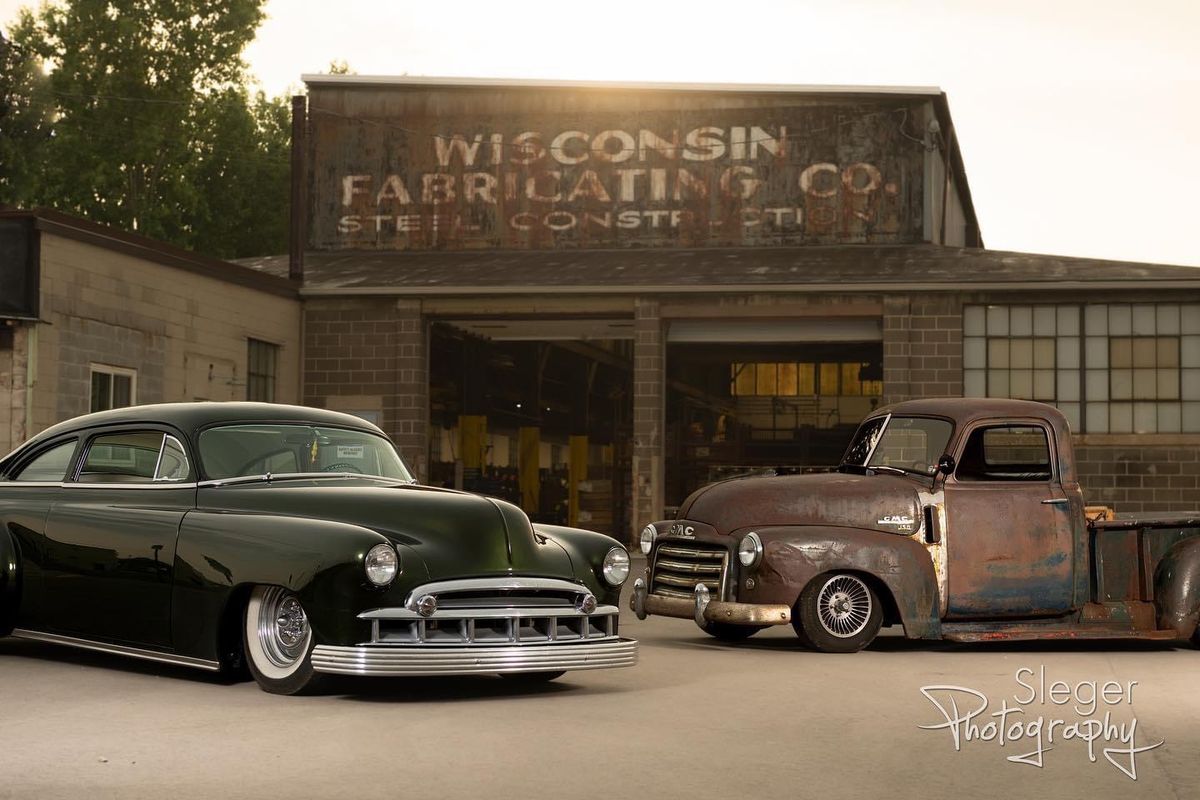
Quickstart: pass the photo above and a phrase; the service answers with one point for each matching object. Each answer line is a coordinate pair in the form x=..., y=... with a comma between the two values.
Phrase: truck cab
x=958, y=518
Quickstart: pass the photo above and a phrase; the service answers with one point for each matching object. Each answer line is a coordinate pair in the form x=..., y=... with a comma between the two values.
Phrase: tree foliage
x=148, y=123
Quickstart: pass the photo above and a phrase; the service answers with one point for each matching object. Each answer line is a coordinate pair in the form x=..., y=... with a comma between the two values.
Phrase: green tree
x=153, y=129
x=25, y=118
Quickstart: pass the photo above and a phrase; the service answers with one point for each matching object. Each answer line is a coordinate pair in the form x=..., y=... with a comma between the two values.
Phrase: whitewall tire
x=279, y=641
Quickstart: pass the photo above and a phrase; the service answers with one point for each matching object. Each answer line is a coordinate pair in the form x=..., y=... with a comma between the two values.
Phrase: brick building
x=595, y=298
x=93, y=318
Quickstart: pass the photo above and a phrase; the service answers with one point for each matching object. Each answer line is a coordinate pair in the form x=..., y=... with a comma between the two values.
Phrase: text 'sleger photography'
x=798, y=400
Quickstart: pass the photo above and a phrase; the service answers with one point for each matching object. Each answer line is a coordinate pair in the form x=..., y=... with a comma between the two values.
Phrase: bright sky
x=1079, y=120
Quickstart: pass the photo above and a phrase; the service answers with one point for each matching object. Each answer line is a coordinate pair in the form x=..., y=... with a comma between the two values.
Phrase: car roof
x=191, y=417
x=968, y=409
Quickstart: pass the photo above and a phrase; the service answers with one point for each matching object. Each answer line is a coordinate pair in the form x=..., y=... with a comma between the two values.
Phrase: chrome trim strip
x=491, y=584
x=127, y=486
x=486, y=613
x=382, y=660
x=117, y=649
x=292, y=476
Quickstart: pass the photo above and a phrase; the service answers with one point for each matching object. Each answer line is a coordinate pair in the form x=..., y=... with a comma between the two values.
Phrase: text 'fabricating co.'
x=1081, y=712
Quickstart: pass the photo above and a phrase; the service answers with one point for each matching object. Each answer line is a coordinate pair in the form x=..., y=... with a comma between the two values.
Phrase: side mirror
x=945, y=464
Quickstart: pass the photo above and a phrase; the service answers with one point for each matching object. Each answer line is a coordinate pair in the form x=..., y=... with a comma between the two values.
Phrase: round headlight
x=382, y=563
x=649, y=534
x=616, y=566
x=750, y=550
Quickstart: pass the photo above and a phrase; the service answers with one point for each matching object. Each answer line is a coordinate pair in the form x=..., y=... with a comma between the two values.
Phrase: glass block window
x=1110, y=368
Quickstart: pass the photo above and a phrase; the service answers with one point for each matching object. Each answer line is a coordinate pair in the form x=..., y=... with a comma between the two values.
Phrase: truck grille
x=678, y=568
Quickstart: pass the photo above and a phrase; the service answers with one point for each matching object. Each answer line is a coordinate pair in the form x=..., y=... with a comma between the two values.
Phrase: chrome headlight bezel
x=381, y=564
x=646, y=540
x=750, y=550
x=615, y=567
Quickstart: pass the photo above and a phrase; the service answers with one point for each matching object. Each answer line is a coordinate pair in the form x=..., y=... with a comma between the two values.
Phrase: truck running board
x=994, y=633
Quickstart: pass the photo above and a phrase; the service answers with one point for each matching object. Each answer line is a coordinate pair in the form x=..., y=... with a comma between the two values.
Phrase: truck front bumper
x=702, y=609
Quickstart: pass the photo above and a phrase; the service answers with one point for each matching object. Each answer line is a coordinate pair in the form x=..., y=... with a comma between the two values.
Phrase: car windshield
x=235, y=451
x=911, y=444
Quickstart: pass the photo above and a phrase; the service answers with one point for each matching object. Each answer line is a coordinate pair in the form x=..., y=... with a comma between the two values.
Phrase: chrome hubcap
x=283, y=627
x=844, y=606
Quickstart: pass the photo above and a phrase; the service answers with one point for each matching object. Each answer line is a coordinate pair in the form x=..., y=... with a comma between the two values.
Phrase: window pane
x=1145, y=417
x=808, y=380
x=1169, y=418
x=973, y=321
x=765, y=383
x=997, y=320
x=173, y=465
x=1068, y=352
x=1168, y=321
x=974, y=383
x=787, y=379
x=101, y=391
x=974, y=352
x=998, y=383
x=1043, y=321
x=122, y=391
x=1168, y=351
x=1043, y=353
x=1071, y=412
x=1068, y=321
x=1097, y=417
x=49, y=466
x=743, y=380
x=1021, y=384
x=1068, y=385
x=1189, y=380
x=1122, y=353
x=1021, y=353
x=1097, y=384
x=1144, y=350
x=1168, y=384
x=1191, y=417
x=1143, y=320
x=1189, y=351
x=1043, y=384
x=1095, y=320
x=1020, y=321
x=1096, y=351
x=1120, y=418
x=829, y=380
x=122, y=458
x=850, y=384
x=1189, y=318
x=997, y=353
x=1122, y=384
x=1145, y=384
x=1120, y=321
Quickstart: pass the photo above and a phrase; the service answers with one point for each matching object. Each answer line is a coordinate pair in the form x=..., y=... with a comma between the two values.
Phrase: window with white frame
x=1109, y=367
x=112, y=387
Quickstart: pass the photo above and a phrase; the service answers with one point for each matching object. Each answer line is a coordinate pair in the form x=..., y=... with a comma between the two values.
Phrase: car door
x=27, y=491
x=111, y=536
x=1009, y=538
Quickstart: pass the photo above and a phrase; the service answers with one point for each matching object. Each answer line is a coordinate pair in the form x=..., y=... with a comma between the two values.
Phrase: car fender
x=794, y=555
x=1177, y=588
x=221, y=555
x=586, y=549
x=10, y=581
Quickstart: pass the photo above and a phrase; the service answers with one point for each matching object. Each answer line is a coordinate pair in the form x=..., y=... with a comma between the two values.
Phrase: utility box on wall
x=18, y=269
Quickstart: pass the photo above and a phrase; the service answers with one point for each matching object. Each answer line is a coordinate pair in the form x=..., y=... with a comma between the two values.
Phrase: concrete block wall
x=922, y=346
x=371, y=355
x=649, y=413
x=1141, y=479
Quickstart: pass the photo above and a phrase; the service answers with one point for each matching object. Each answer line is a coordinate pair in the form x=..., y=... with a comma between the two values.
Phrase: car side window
x=122, y=458
x=1006, y=453
x=173, y=462
x=50, y=466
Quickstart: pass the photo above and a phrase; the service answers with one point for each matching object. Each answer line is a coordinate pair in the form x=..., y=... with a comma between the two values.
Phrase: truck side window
x=1006, y=453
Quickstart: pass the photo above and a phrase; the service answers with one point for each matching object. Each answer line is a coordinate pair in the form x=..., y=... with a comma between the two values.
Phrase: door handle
x=1056, y=501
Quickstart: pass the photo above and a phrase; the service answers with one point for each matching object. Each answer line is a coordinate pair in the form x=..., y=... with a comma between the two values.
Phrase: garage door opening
x=785, y=399
x=536, y=412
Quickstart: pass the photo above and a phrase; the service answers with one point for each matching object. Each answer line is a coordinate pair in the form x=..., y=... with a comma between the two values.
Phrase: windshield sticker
x=354, y=451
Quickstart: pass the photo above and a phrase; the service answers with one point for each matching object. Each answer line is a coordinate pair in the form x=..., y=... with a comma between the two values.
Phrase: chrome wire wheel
x=844, y=606
x=283, y=629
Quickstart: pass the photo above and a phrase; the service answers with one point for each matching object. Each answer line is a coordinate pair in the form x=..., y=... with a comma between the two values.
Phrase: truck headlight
x=616, y=566
x=750, y=550
x=649, y=534
x=382, y=564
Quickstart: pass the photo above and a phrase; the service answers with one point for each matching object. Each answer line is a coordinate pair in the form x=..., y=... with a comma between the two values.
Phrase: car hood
x=887, y=503
x=455, y=533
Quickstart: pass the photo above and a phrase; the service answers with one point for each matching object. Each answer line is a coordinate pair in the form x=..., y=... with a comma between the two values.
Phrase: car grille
x=679, y=567
x=495, y=617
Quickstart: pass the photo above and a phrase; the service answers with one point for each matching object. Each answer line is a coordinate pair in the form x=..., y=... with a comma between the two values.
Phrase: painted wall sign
x=765, y=175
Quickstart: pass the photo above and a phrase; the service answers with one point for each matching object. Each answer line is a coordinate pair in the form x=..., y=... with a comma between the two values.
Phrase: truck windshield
x=244, y=450
x=911, y=444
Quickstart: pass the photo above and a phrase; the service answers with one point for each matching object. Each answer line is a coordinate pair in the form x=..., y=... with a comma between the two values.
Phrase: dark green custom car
x=294, y=541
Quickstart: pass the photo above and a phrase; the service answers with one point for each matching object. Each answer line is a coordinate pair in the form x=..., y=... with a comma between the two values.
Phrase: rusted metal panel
x=415, y=168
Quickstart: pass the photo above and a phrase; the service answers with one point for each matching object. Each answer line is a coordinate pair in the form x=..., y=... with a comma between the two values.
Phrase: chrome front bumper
x=383, y=660
x=702, y=609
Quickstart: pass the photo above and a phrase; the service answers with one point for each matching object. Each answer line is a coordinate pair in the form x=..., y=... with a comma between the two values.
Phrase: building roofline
x=82, y=230
x=319, y=79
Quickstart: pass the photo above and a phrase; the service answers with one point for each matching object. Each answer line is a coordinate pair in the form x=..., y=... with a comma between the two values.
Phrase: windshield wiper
x=886, y=468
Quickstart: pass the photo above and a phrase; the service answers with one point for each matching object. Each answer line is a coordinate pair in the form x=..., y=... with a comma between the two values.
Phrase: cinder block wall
x=1140, y=479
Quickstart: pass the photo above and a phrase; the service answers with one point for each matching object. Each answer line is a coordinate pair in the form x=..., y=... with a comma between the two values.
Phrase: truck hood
x=455, y=533
x=887, y=503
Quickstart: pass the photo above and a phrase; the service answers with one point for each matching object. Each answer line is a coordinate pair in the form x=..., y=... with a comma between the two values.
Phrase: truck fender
x=794, y=555
x=1177, y=588
x=10, y=581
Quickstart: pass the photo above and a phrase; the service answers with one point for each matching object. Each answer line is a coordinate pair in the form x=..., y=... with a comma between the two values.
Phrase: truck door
x=1009, y=538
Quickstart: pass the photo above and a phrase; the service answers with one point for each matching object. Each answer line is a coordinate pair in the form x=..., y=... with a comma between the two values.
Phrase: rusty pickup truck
x=958, y=519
